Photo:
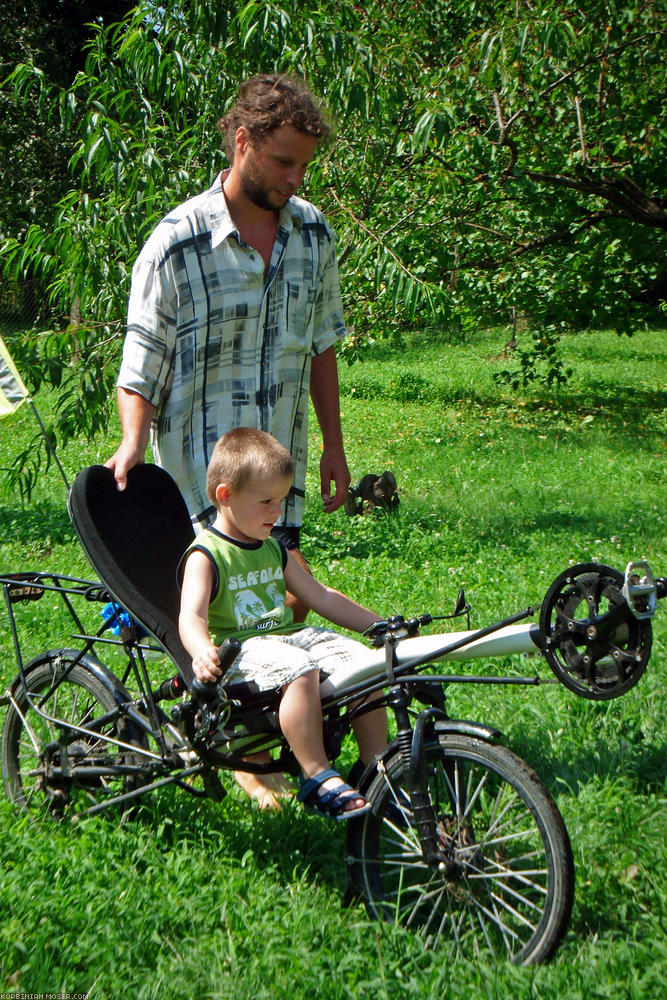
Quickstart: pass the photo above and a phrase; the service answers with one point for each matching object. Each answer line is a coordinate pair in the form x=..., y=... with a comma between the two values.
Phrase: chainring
x=590, y=638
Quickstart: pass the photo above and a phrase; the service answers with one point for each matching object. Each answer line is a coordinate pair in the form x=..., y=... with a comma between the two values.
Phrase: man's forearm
x=136, y=415
x=324, y=393
x=326, y=401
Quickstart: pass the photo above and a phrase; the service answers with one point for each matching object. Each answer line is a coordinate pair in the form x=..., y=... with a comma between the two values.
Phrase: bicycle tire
x=510, y=885
x=30, y=741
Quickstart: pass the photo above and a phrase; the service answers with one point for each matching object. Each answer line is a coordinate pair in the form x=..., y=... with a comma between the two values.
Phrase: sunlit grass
x=499, y=493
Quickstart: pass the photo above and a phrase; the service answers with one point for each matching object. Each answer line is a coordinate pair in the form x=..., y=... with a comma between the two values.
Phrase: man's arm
x=136, y=415
x=326, y=401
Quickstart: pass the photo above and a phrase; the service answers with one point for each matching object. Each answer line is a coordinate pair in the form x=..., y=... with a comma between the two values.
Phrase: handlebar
x=209, y=698
x=397, y=626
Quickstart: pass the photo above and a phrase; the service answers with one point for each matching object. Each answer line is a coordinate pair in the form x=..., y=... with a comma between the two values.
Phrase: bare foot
x=266, y=790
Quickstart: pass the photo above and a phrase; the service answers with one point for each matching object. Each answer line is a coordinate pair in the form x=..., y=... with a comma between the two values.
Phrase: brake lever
x=397, y=627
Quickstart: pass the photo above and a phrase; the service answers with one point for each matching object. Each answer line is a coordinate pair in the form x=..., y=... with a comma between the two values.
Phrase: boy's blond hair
x=244, y=454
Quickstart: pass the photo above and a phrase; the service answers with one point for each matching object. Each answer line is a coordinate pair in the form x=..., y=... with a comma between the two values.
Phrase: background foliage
x=493, y=162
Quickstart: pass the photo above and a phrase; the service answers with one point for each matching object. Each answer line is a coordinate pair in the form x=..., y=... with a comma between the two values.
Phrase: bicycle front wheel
x=505, y=883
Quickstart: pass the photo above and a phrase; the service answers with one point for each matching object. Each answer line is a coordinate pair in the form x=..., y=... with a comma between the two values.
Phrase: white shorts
x=271, y=661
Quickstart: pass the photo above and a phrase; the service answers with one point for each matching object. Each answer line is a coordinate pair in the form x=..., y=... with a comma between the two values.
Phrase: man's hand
x=333, y=469
x=124, y=459
x=136, y=414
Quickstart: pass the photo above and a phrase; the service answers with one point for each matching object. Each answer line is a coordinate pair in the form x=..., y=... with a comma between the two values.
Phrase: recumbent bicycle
x=463, y=843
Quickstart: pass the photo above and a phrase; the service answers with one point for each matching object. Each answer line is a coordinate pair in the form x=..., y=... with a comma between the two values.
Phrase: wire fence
x=22, y=303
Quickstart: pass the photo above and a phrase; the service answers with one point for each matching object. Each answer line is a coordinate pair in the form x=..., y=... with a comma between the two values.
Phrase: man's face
x=272, y=172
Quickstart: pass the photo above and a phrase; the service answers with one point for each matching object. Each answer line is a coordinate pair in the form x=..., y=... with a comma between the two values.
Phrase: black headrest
x=134, y=540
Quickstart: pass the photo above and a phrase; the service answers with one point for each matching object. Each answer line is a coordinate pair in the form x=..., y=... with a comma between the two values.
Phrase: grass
x=499, y=493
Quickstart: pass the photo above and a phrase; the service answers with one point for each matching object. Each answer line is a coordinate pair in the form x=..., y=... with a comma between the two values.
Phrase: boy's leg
x=265, y=789
x=330, y=650
x=327, y=649
x=300, y=717
x=370, y=731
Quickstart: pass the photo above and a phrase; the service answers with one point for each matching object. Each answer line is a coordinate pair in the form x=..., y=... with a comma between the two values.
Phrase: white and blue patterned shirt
x=214, y=343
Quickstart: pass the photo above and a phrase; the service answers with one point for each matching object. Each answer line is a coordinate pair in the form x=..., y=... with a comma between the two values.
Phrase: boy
x=234, y=583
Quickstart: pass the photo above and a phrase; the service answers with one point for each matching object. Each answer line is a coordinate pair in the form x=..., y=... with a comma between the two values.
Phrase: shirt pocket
x=299, y=309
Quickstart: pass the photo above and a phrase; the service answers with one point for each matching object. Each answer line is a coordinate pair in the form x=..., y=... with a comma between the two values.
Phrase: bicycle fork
x=411, y=745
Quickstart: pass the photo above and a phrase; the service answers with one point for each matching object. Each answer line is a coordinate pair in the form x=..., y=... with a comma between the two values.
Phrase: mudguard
x=114, y=686
x=443, y=727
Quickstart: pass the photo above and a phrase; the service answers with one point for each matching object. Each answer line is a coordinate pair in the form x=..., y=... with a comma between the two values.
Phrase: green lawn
x=499, y=491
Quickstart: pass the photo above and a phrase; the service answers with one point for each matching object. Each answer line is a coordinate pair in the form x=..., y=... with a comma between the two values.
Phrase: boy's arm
x=325, y=601
x=198, y=579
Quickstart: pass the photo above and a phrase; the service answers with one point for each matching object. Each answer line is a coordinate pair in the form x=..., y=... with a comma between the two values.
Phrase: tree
x=489, y=158
x=573, y=212
x=51, y=37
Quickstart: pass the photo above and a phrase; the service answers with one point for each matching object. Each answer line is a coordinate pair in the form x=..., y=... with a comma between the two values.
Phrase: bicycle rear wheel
x=37, y=774
x=507, y=884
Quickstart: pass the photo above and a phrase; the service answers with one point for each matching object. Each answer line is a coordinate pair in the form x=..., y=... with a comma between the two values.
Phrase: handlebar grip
x=205, y=690
x=209, y=690
x=228, y=652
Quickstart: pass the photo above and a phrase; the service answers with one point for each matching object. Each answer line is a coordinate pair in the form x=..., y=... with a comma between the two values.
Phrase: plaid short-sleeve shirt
x=215, y=343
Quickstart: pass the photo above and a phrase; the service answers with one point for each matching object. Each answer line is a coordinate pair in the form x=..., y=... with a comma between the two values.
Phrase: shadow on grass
x=644, y=767
x=289, y=843
x=624, y=408
x=625, y=403
x=43, y=520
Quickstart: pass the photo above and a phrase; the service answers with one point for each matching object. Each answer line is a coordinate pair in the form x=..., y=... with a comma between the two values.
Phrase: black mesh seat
x=134, y=540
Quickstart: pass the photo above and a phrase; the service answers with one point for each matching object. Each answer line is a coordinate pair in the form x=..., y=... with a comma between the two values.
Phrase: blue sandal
x=329, y=802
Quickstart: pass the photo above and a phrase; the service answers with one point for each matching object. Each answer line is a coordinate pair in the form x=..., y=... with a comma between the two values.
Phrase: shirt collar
x=222, y=224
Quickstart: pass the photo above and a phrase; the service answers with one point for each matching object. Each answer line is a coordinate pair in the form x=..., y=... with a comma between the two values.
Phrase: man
x=234, y=312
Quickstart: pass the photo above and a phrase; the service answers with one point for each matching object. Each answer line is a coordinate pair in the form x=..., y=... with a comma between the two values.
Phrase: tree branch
x=595, y=58
x=625, y=194
x=565, y=235
x=374, y=237
x=504, y=137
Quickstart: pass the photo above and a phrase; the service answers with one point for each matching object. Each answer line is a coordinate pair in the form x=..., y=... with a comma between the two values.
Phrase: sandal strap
x=333, y=800
x=329, y=801
x=311, y=785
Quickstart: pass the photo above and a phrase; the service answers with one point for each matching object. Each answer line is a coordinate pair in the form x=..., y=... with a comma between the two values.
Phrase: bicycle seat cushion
x=134, y=540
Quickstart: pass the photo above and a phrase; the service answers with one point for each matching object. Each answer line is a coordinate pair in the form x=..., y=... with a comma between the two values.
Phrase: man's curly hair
x=268, y=101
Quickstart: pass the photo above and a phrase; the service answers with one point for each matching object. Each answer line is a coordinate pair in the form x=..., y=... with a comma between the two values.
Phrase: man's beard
x=256, y=192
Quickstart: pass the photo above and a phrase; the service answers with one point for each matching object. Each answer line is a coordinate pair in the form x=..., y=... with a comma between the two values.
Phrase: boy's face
x=250, y=514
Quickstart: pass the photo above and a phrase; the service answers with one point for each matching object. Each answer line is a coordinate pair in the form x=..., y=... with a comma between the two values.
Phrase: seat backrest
x=135, y=539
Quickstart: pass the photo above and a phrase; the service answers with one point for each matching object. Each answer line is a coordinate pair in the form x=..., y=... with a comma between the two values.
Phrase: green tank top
x=249, y=598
